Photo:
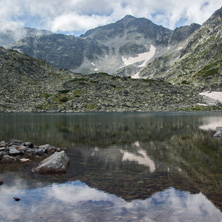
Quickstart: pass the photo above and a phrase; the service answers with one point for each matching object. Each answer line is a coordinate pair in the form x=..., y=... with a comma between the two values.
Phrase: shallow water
x=124, y=167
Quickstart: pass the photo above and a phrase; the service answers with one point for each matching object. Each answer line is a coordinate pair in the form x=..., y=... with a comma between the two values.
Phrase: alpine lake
x=124, y=167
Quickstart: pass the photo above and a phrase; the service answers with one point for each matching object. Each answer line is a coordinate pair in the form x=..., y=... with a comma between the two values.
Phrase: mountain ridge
x=106, y=48
x=9, y=36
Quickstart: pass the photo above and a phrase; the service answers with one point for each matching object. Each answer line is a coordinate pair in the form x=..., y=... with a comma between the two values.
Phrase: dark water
x=124, y=167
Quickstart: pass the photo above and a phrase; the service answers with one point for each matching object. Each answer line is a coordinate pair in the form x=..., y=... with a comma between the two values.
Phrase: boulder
x=56, y=163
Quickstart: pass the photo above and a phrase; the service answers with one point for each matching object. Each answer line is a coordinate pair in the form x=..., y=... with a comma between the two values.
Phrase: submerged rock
x=56, y=163
x=219, y=132
x=1, y=182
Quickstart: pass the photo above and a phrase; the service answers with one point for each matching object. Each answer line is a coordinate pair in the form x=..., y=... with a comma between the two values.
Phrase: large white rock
x=56, y=163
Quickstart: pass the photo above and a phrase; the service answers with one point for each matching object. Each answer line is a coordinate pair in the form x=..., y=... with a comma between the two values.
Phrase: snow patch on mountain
x=217, y=96
x=142, y=58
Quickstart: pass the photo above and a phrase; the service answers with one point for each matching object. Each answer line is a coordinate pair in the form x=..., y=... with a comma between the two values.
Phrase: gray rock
x=219, y=128
x=8, y=159
x=2, y=148
x=219, y=132
x=56, y=163
x=2, y=144
x=15, y=142
x=34, y=151
x=29, y=144
x=2, y=153
x=13, y=151
x=45, y=147
x=22, y=149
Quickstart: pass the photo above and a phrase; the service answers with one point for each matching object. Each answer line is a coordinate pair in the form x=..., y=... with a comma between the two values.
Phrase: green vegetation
x=116, y=77
x=45, y=95
x=64, y=99
x=185, y=82
x=94, y=81
x=64, y=91
x=78, y=79
x=77, y=92
x=209, y=70
x=90, y=106
x=103, y=73
x=61, y=98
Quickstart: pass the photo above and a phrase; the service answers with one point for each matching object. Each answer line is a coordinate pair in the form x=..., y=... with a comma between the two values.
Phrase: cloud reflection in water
x=76, y=200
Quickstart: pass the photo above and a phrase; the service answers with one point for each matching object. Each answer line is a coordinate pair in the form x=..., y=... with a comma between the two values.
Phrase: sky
x=77, y=16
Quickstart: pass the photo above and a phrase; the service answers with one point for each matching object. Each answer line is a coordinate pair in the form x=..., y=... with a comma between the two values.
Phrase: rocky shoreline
x=18, y=150
x=15, y=150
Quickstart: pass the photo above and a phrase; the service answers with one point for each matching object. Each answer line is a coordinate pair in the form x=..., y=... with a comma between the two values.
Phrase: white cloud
x=80, y=15
x=72, y=22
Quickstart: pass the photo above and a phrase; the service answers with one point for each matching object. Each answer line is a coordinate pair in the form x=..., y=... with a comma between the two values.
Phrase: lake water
x=124, y=167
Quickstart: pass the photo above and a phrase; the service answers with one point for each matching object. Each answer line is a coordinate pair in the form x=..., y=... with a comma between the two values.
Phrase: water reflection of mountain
x=129, y=174
x=130, y=155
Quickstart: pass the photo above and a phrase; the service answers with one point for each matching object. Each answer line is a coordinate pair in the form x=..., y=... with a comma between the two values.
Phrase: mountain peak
x=128, y=17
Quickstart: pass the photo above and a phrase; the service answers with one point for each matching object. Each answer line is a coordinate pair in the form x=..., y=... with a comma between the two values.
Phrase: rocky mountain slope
x=9, y=36
x=29, y=84
x=198, y=62
x=123, y=48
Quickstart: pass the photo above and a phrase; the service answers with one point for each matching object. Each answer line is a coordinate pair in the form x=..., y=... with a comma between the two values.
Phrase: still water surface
x=124, y=167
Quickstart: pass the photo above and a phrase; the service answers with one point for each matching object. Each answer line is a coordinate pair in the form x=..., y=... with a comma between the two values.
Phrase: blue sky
x=77, y=16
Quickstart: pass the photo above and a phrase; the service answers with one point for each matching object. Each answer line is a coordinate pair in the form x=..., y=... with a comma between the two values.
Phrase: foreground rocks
x=56, y=163
x=18, y=150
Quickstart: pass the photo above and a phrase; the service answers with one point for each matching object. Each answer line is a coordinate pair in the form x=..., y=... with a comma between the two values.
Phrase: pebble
x=16, y=198
x=24, y=160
